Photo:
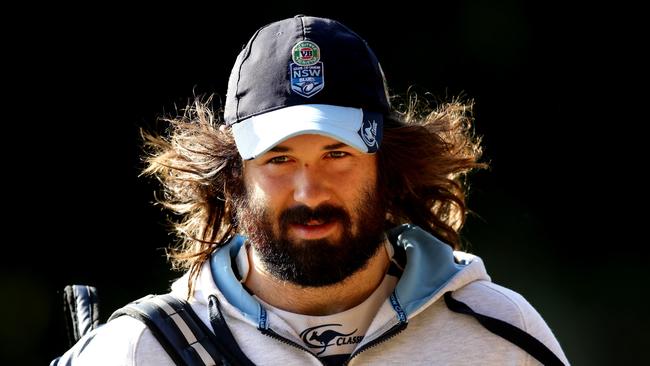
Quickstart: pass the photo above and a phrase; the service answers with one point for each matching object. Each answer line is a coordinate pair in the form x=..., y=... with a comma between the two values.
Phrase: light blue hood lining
x=226, y=281
x=429, y=267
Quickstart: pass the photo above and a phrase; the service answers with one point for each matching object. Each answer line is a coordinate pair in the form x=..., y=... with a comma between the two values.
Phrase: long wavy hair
x=424, y=158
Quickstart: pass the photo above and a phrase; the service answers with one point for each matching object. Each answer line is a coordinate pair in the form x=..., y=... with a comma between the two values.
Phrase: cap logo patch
x=368, y=133
x=305, y=53
x=306, y=70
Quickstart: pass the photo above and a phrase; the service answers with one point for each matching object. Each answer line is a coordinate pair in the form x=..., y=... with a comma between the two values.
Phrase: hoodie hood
x=431, y=269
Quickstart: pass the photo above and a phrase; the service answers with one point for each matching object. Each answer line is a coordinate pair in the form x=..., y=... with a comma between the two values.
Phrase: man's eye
x=337, y=154
x=278, y=160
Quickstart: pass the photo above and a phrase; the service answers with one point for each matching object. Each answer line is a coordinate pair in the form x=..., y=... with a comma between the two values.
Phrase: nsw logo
x=306, y=72
x=321, y=337
x=307, y=80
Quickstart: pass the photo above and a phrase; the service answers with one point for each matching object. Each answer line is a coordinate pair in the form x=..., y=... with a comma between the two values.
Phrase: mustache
x=303, y=214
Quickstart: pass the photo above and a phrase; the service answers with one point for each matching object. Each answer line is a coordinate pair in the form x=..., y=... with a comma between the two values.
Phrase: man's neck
x=317, y=301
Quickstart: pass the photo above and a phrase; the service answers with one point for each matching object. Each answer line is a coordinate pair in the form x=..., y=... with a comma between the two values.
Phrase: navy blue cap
x=306, y=75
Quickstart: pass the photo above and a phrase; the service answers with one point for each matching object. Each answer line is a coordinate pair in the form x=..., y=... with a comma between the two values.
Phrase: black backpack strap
x=223, y=333
x=187, y=340
x=81, y=308
x=508, y=331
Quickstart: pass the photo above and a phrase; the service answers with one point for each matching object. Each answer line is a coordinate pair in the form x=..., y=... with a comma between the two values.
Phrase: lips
x=313, y=229
x=314, y=223
x=305, y=223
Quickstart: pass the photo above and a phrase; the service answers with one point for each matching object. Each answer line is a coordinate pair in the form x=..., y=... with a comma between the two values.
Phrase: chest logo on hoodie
x=322, y=336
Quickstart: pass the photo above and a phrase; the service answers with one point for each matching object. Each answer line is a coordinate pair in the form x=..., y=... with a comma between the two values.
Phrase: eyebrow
x=281, y=148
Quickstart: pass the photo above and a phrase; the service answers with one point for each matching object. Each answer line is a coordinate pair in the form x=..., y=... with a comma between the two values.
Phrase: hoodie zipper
x=392, y=332
x=271, y=333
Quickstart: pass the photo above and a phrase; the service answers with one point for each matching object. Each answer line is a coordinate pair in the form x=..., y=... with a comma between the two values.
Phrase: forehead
x=309, y=142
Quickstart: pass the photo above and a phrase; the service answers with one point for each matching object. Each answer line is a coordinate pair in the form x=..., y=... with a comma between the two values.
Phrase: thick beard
x=314, y=263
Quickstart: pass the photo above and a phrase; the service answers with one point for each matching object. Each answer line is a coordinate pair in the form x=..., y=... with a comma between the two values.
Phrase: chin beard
x=314, y=263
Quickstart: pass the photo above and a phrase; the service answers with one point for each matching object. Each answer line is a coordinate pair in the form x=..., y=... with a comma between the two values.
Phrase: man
x=319, y=224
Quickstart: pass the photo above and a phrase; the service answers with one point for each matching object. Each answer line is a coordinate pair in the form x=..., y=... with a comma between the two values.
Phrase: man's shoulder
x=125, y=331
x=122, y=341
x=487, y=298
x=499, y=302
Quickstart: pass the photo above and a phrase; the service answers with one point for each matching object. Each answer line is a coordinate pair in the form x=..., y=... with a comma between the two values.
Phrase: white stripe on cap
x=256, y=135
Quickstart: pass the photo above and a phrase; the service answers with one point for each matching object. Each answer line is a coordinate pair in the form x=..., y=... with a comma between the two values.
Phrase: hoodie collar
x=431, y=266
x=431, y=269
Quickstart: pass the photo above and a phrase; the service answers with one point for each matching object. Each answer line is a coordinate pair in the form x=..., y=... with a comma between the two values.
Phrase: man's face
x=310, y=210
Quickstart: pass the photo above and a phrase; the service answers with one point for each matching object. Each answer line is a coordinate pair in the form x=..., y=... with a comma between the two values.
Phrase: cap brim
x=256, y=135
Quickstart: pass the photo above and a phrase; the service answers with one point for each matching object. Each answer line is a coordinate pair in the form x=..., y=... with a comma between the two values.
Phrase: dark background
x=554, y=218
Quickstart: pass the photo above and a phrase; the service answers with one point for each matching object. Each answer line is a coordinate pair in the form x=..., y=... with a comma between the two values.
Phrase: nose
x=310, y=187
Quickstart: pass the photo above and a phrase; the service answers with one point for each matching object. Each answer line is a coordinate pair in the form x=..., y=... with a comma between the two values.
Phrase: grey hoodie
x=413, y=326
